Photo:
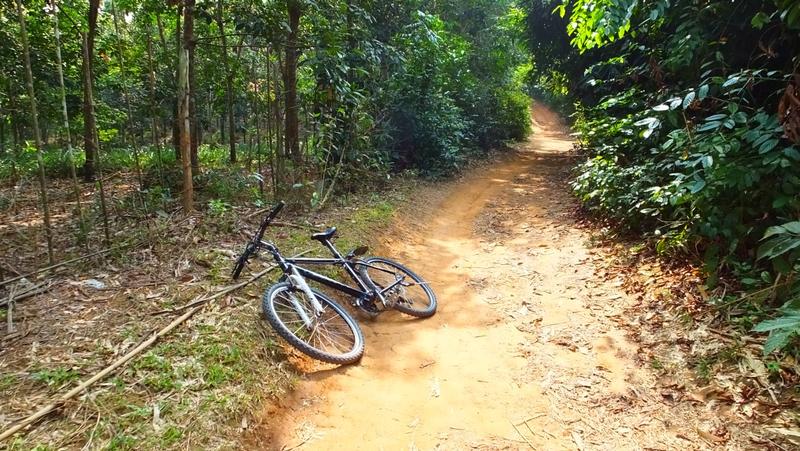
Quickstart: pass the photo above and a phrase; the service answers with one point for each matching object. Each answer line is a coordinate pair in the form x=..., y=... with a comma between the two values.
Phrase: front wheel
x=408, y=291
x=331, y=336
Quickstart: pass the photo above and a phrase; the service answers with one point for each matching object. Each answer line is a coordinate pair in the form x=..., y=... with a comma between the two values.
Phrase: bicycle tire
x=404, y=305
x=351, y=355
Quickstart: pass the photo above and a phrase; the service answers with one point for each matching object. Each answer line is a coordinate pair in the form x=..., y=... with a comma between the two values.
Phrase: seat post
x=333, y=249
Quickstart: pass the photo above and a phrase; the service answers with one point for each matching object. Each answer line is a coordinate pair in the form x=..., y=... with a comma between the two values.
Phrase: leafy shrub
x=783, y=330
x=681, y=128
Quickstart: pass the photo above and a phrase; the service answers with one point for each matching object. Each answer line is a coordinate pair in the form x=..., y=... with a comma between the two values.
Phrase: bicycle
x=314, y=323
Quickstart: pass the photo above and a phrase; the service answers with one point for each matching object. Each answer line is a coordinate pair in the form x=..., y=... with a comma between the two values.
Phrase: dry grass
x=195, y=387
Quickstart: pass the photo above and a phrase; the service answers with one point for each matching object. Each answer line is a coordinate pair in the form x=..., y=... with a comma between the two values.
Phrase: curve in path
x=523, y=352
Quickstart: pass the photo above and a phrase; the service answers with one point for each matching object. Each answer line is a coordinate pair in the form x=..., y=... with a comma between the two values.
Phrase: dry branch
x=65, y=262
x=522, y=435
x=26, y=293
x=197, y=306
x=106, y=371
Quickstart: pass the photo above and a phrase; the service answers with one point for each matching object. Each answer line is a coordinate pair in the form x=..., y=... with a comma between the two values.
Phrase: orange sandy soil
x=525, y=351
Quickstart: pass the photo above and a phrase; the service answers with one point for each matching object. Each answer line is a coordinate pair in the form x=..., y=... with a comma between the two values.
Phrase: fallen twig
x=227, y=289
x=197, y=306
x=106, y=371
x=34, y=290
x=525, y=421
x=66, y=262
x=295, y=446
x=522, y=435
x=10, y=312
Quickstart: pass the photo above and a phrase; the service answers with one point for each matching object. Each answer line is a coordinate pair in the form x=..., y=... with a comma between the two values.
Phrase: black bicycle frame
x=363, y=291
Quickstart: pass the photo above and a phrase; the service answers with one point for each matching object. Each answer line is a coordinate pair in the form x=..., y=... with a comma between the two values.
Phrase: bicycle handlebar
x=271, y=216
x=252, y=246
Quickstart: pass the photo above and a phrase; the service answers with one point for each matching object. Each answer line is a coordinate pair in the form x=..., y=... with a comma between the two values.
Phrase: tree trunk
x=228, y=83
x=161, y=31
x=2, y=134
x=280, y=150
x=153, y=111
x=96, y=144
x=195, y=130
x=70, y=156
x=126, y=94
x=89, y=167
x=15, y=134
x=176, y=126
x=257, y=118
x=26, y=55
x=291, y=135
x=270, y=149
x=184, y=121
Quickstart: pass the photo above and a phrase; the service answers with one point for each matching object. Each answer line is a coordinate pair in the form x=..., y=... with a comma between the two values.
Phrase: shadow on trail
x=412, y=366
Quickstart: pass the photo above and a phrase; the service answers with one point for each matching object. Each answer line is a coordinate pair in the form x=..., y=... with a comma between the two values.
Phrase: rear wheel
x=410, y=293
x=332, y=336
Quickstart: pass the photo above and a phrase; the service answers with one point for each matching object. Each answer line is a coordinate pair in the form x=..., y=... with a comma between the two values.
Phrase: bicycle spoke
x=404, y=290
x=330, y=334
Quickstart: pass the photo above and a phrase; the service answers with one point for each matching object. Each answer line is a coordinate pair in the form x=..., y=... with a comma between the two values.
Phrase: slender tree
x=89, y=146
x=195, y=132
x=124, y=75
x=65, y=113
x=89, y=84
x=271, y=151
x=228, y=82
x=184, y=123
x=176, y=126
x=26, y=55
x=151, y=77
x=292, y=123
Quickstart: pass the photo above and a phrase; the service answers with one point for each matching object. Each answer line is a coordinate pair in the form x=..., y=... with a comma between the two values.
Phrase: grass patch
x=7, y=381
x=218, y=367
x=55, y=377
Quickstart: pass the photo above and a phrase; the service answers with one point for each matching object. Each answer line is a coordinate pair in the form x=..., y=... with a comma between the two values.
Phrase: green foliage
x=783, y=330
x=678, y=118
x=56, y=377
x=596, y=22
x=218, y=207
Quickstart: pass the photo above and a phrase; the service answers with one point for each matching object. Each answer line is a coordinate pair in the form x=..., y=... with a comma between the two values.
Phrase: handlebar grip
x=275, y=210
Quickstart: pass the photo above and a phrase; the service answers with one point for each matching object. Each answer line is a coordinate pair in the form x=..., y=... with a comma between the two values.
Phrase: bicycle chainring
x=367, y=307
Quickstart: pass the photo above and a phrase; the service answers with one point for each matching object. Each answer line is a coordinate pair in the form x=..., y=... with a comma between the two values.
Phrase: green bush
x=681, y=127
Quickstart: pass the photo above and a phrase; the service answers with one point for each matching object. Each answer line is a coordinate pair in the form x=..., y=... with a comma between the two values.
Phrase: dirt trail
x=523, y=352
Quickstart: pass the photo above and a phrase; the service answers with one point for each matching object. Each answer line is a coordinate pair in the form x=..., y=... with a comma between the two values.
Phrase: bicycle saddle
x=324, y=236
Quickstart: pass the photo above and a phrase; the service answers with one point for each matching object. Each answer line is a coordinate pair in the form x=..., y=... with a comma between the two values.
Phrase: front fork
x=299, y=283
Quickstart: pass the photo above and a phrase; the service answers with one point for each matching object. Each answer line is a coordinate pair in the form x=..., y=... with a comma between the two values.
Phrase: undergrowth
x=200, y=385
x=689, y=129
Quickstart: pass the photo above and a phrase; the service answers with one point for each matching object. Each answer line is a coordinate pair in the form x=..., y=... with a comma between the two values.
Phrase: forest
x=207, y=104
x=141, y=141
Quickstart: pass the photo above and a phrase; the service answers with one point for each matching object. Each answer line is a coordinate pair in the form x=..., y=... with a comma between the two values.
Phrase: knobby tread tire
x=427, y=312
x=272, y=317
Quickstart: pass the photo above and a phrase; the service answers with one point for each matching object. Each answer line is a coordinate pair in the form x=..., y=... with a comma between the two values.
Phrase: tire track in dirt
x=523, y=352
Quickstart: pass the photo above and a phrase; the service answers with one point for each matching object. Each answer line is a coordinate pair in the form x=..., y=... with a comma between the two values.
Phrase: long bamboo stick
x=65, y=262
x=106, y=371
x=41, y=413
